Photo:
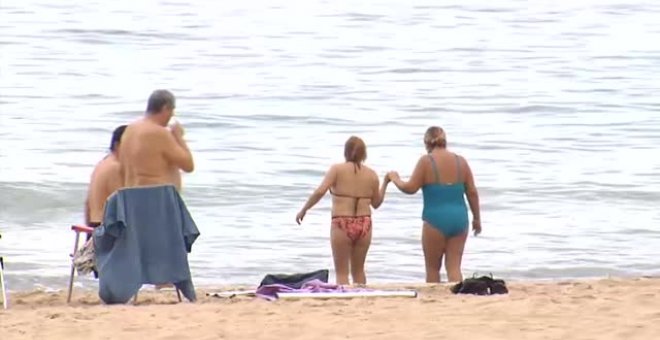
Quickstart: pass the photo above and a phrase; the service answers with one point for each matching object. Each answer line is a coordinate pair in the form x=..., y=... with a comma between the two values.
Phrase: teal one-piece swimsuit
x=444, y=204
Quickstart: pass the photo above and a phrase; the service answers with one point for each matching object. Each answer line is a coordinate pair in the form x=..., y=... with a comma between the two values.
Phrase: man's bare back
x=150, y=152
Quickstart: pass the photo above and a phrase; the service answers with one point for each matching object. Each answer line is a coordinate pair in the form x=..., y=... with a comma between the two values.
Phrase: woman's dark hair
x=355, y=151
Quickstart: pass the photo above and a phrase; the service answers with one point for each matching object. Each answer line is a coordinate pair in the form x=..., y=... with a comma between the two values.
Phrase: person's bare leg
x=341, y=254
x=358, y=257
x=433, y=245
x=454, y=257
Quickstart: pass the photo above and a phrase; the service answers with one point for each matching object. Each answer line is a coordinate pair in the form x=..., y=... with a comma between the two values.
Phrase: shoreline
x=87, y=287
x=604, y=308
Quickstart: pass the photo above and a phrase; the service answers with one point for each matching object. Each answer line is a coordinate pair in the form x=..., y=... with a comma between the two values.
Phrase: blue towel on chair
x=145, y=238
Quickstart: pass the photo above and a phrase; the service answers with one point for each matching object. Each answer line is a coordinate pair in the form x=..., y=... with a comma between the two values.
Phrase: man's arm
x=176, y=151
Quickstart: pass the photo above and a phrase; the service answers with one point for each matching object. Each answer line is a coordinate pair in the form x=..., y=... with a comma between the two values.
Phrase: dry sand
x=599, y=309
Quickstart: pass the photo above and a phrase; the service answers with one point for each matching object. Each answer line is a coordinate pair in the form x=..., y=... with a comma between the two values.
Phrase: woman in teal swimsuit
x=445, y=179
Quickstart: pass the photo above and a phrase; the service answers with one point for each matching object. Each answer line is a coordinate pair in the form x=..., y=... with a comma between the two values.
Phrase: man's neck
x=155, y=119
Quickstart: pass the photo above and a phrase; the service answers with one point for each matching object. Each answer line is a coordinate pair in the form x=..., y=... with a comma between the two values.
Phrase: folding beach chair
x=2, y=282
x=79, y=229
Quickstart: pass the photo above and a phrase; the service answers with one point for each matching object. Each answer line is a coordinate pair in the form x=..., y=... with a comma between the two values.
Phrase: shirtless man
x=150, y=152
x=106, y=179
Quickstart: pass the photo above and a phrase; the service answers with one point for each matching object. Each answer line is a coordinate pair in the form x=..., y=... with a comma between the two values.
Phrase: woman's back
x=444, y=167
x=353, y=190
x=446, y=180
x=444, y=192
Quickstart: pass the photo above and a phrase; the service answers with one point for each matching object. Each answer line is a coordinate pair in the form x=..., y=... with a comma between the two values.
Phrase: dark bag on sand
x=484, y=285
x=295, y=281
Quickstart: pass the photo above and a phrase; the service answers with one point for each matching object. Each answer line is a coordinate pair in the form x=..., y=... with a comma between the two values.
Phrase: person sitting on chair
x=156, y=228
x=106, y=178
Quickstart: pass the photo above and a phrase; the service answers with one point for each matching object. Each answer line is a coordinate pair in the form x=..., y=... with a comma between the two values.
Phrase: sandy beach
x=588, y=309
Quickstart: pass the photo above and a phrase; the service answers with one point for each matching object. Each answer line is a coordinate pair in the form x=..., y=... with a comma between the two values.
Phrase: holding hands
x=392, y=176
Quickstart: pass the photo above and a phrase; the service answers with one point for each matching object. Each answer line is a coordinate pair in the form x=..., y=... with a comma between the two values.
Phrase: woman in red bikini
x=354, y=189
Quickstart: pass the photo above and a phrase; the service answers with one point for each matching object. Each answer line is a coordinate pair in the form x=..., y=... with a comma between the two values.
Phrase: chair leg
x=73, y=267
x=2, y=284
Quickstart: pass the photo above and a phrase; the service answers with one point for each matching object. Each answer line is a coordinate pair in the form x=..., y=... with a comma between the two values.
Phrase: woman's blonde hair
x=435, y=138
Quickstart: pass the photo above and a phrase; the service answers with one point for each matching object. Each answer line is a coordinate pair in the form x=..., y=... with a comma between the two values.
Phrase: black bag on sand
x=484, y=285
x=295, y=281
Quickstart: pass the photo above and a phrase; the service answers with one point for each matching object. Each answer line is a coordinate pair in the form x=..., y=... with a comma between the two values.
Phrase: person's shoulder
x=154, y=132
x=341, y=168
x=107, y=167
x=114, y=164
x=424, y=158
x=460, y=157
x=370, y=171
x=99, y=172
x=462, y=161
x=337, y=166
x=156, y=129
x=132, y=126
x=101, y=163
x=97, y=169
x=145, y=127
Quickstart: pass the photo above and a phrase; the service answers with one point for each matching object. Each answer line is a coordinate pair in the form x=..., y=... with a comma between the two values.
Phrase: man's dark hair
x=158, y=100
x=116, y=137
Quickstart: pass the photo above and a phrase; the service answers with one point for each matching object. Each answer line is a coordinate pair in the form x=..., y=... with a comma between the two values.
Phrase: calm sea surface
x=555, y=104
